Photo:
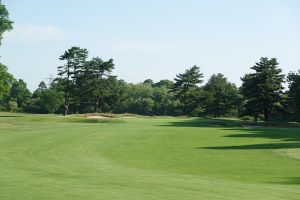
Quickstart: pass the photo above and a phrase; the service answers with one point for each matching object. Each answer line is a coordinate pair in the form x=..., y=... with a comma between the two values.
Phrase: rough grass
x=53, y=157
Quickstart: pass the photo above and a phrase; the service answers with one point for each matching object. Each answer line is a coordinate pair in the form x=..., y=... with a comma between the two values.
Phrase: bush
x=12, y=106
x=247, y=118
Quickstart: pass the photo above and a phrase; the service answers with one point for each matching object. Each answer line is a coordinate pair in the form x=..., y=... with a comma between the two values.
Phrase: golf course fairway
x=52, y=157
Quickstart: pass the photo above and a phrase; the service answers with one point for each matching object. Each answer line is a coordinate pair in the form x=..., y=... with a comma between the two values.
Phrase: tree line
x=86, y=85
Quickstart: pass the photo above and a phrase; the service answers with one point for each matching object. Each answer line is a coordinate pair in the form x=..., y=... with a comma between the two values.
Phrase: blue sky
x=152, y=39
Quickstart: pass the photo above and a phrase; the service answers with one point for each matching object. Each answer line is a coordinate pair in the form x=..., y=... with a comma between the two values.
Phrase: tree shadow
x=256, y=146
x=9, y=116
x=231, y=123
x=280, y=135
x=288, y=180
x=286, y=135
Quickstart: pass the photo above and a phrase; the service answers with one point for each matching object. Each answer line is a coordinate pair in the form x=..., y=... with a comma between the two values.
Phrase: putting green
x=51, y=157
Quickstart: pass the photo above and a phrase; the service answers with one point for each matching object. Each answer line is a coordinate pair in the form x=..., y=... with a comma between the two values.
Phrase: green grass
x=54, y=157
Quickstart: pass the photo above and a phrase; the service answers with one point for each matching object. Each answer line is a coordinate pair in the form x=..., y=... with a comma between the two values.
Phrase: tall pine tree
x=187, y=90
x=70, y=73
x=263, y=89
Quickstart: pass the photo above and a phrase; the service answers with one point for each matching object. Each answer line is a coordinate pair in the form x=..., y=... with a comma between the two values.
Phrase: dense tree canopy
x=263, y=89
x=5, y=22
x=85, y=85
x=222, y=97
x=187, y=90
x=294, y=93
x=6, y=80
x=98, y=81
x=164, y=83
x=50, y=100
x=20, y=93
x=88, y=85
x=70, y=74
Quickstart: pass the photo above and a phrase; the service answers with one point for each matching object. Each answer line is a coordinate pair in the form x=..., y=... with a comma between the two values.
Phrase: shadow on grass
x=9, y=116
x=285, y=134
x=281, y=135
x=293, y=181
x=207, y=122
x=288, y=180
x=256, y=146
x=72, y=120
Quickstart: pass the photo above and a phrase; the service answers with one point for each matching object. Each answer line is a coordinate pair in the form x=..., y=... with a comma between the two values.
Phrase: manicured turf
x=44, y=157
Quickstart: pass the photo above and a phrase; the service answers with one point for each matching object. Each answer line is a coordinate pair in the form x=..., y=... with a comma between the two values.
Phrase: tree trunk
x=96, y=105
x=255, y=118
x=66, y=108
x=266, y=115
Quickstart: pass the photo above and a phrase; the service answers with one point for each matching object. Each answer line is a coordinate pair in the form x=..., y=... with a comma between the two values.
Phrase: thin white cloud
x=34, y=33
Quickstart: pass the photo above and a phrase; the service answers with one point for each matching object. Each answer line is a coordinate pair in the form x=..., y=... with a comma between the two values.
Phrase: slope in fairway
x=44, y=157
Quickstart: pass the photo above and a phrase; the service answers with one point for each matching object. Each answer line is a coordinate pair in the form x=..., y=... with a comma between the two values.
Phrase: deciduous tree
x=222, y=97
x=5, y=22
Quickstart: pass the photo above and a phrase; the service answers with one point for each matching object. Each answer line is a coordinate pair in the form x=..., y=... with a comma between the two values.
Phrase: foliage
x=90, y=86
x=12, y=106
x=263, y=89
x=20, y=93
x=294, y=93
x=164, y=83
x=136, y=98
x=70, y=75
x=187, y=90
x=5, y=22
x=148, y=82
x=6, y=80
x=98, y=82
x=222, y=97
x=51, y=100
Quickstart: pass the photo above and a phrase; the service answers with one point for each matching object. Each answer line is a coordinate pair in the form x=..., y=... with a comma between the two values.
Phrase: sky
x=154, y=39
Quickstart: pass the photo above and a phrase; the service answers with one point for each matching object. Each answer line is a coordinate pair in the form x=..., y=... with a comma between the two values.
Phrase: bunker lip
x=96, y=117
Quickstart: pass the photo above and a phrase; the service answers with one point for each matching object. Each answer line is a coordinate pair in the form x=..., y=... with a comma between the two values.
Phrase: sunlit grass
x=55, y=157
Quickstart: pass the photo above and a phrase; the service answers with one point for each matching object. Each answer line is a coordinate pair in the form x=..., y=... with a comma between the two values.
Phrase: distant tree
x=51, y=100
x=41, y=87
x=222, y=97
x=6, y=80
x=5, y=22
x=164, y=83
x=20, y=93
x=135, y=98
x=186, y=89
x=294, y=93
x=163, y=101
x=99, y=82
x=263, y=89
x=70, y=73
x=12, y=106
x=149, y=82
x=252, y=103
